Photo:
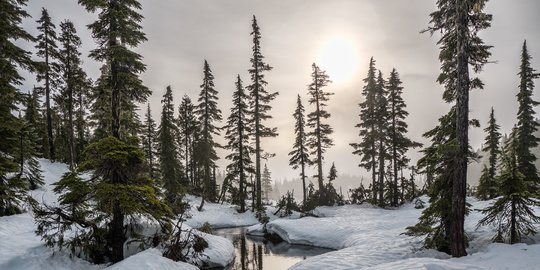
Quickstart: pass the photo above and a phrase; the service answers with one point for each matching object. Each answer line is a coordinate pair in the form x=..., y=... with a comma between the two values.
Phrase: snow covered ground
x=366, y=237
x=21, y=249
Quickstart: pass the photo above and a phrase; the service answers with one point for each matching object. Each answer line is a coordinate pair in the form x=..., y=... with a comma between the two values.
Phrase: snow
x=150, y=259
x=21, y=248
x=366, y=237
x=362, y=237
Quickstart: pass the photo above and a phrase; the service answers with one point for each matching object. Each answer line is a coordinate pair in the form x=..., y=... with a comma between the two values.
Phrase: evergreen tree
x=74, y=82
x=512, y=212
x=300, y=153
x=170, y=167
x=367, y=147
x=487, y=185
x=399, y=143
x=187, y=123
x=237, y=134
x=266, y=180
x=459, y=23
x=332, y=175
x=116, y=31
x=91, y=203
x=29, y=168
x=259, y=104
x=527, y=125
x=149, y=143
x=319, y=137
x=381, y=128
x=48, y=72
x=208, y=113
x=13, y=59
x=34, y=120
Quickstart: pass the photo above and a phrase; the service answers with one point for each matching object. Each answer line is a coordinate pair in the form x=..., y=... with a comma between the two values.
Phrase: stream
x=256, y=253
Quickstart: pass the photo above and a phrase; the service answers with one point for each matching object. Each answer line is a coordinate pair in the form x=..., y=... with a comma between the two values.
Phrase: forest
x=99, y=181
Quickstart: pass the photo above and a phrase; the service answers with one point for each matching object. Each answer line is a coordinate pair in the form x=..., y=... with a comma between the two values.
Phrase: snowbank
x=218, y=215
x=367, y=237
x=150, y=259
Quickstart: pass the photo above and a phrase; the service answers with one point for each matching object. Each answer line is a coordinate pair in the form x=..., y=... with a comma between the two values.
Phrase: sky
x=340, y=36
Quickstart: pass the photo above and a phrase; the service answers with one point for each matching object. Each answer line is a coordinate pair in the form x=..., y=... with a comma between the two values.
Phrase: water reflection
x=255, y=253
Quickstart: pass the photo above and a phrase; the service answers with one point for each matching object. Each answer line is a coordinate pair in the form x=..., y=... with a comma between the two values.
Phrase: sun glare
x=339, y=57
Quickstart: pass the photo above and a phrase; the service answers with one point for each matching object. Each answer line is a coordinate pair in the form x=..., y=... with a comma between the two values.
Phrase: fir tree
x=74, y=82
x=237, y=134
x=487, y=185
x=367, y=147
x=512, y=212
x=332, y=175
x=381, y=128
x=48, y=50
x=34, y=120
x=266, y=180
x=13, y=59
x=187, y=123
x=116, y=31
x=300, y=153
x=170, y=167
x=149, y=143
x=319, y=137
x=399, y=143
x=459, y=22
x=29, y=168
x=91, y=203
x=208, y=113
x=259, y=104
x=527, y=125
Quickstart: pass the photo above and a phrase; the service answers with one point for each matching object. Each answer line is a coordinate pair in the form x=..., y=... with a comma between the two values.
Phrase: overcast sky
x=181, y=34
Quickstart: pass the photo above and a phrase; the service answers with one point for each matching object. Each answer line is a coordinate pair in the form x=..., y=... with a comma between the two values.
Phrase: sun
x=339, y=57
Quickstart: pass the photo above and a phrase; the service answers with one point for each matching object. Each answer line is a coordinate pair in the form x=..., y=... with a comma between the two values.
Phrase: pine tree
x=300, y=153
x=527, y=125
x=170, y=167
x=459, y=22
x=332, y=175
x=266, y=180
x=259, y=104
x=34, y=120
x=367, y=147
x=149, y=143
x=13, y=59
x=237, y=134
x=208, y=113
x=48, y=50
x=399, y=143
x=187, y=123
x=512, y=212
x=319, y=137
x=487, y=185
x=74, y=82
x=116, y=31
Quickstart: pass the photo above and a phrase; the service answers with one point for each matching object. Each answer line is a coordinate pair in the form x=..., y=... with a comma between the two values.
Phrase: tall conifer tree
x=381, y=128
x=208, y=114
x=116, y=31
x=48, y=72
x=12, y=60
x=238, y=135
x=170, y=167
x=487, y=185
x=399, y=143
x=367, y=147
x=149, y=143
x=527, y=125
x=459, y=22
x=319, y=137
x=187, y=123
x=300, y=153
x=259, y=104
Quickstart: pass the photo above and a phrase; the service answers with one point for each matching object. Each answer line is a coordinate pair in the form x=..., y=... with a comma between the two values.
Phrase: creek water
x=256, y=253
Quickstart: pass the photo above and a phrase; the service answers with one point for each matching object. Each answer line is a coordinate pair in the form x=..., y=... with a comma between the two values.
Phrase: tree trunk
x=52, y=150
x=381, y=174
x=459, y=185
x=513, y=233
